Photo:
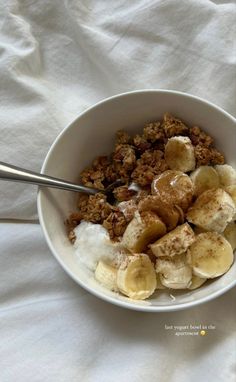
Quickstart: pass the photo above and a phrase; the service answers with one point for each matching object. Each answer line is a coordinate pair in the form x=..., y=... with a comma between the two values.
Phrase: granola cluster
x=137, y=159
x=205, y=153
x=96, y=209
x=150, y=164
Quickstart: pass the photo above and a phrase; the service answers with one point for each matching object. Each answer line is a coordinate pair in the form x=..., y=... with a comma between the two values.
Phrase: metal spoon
x=17, y=174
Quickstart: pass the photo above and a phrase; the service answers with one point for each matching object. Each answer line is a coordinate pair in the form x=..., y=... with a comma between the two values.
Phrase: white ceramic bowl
x=92, y=134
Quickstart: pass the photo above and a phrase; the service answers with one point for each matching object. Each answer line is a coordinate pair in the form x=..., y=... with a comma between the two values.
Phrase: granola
x=123, y=193
x=153, y=132
x=125, y=154
x=95, y=175
x=141, y=144
x=173, y=126
x=123, y=137
x=137, y=159
x=115, y=224
x=94, y=208
x=207, y=156
x=199, y=137
x=150, y=164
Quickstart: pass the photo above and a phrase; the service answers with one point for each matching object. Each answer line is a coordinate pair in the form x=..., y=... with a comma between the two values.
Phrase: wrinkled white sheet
x=56, y=59
x=59, y=57
x=51, y=330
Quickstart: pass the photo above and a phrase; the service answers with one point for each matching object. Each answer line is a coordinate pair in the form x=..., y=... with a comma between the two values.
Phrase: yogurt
x=93, y=244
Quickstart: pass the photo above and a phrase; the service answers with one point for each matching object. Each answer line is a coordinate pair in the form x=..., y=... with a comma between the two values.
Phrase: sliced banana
x=204, y=178
x=106, y=275
x=212, y=210
x=159, y=284
x=168, y=213
x=227, y=174
x=174, y=242
x=181, y=214
x=232, y=192
x=210, y=255
x=143, y=229
x=136, y=277
x=196, y=282
x=179, y=154
x=198, y=230
x=175, y=273
x=230, y=234
x=175, y=187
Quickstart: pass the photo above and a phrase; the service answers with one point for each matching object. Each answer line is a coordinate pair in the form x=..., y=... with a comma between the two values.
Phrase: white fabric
x=56, y=59
x=59, y=57
x=51, y=330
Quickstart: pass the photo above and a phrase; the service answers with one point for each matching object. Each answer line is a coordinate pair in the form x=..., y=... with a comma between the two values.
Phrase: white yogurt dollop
x=93, y=244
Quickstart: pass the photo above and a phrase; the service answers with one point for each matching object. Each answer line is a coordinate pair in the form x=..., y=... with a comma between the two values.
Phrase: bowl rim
x=93, y=291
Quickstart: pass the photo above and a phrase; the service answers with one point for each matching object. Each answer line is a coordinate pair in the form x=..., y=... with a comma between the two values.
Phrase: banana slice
x=204, y=178
x=232, y=192
x=174, y=273
x=143, y=229
x=227, y=174
x=136, y=277
x=210, y=255
x=196, y=282
x=159, y=284
x=106, y=275
x=181, y=214
x=198, y=230
x=179, y=154
x=230, y=234
x=174, y=242
x=168, y=213
x=174, y=187
x=212, y=210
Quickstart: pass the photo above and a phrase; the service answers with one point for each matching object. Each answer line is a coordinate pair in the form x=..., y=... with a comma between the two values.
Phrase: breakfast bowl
x=92, y=134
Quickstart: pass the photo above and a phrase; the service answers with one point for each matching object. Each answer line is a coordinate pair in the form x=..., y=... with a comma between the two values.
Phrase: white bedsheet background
x=56, y=59
x=59, y=57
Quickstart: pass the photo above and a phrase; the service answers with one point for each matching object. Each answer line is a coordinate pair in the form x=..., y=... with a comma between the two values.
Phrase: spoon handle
x=17, y=174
